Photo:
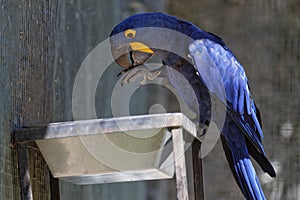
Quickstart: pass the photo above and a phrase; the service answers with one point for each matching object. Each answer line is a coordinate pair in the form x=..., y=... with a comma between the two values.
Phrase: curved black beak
x=131, y=56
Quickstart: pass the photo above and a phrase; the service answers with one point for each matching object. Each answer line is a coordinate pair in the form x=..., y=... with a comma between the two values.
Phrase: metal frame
x=176, y=123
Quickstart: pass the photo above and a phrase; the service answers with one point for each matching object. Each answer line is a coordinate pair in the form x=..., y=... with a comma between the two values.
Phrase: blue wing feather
x=212, y=60
x=226, y=79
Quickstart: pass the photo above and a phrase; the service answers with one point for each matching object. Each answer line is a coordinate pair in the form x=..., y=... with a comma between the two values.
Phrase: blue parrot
x=136, y=39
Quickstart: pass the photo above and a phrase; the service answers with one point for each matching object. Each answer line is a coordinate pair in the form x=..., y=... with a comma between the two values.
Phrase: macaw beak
x=133, y=55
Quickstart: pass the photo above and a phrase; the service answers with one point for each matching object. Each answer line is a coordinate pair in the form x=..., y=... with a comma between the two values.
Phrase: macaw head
x=138, y=37
x=132, y=44
x=128, y=51
x=128, y=42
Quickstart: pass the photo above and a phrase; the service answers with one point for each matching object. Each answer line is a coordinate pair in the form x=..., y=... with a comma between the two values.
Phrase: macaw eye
x=129, y=33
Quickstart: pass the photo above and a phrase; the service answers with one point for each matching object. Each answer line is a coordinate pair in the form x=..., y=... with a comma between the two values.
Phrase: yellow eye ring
x=130, y=33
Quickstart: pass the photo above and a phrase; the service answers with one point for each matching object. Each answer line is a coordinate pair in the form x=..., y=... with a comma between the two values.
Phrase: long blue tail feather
x=234, y=144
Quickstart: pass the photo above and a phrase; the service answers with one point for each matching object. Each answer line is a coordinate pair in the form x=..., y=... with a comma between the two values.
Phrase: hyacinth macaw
x=241, y=133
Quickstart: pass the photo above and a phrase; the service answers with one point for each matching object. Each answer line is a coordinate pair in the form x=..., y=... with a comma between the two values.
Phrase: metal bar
x=180, y=166
x=197, y=171
x=101, y=126
x=25, y=184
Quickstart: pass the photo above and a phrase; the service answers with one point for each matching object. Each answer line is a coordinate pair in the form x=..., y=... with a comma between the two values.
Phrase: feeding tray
x=109, y=157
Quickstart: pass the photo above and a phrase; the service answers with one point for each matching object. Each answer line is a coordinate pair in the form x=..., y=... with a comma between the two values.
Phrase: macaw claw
x=140, y=71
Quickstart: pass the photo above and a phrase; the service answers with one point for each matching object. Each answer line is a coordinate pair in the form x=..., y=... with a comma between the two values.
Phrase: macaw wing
x=226, y=79
x=183, y=88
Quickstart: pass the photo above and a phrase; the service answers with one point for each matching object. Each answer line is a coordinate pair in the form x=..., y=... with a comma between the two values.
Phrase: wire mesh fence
x=30, y=37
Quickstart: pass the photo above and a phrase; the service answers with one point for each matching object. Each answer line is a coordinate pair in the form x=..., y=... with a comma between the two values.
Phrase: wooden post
x=23, y=161
x=54, y=188
x=197, y=170
x=180, y=166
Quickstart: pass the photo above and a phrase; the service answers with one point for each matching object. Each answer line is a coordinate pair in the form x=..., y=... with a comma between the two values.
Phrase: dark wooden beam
x=197, y=171
x=54, y=188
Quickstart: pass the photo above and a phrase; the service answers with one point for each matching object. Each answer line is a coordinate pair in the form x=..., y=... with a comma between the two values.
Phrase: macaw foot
x=140, y=71
x=202, y=130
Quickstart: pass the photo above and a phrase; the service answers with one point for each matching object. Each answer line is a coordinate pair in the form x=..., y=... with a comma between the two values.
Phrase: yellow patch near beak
x=138, y=46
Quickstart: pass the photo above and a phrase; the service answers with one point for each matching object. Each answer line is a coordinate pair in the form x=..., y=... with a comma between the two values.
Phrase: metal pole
x=180, y=166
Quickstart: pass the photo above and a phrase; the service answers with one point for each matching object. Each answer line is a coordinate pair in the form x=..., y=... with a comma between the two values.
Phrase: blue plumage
x=215, y=71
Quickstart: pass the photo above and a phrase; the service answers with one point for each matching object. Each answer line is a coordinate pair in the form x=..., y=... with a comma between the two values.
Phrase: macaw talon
x=140, y=71
x=122, y=72
x=133, y=74
x=202, y=130
x=153, y=75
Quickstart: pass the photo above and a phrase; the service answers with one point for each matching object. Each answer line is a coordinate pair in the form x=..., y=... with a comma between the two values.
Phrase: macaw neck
x=184, y=66
x=171, y=59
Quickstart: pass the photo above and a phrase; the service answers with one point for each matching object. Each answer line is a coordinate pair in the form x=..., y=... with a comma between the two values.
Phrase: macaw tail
x=237, y=155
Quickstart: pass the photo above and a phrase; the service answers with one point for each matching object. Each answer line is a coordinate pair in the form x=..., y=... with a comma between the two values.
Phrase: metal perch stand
x=61, y=144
